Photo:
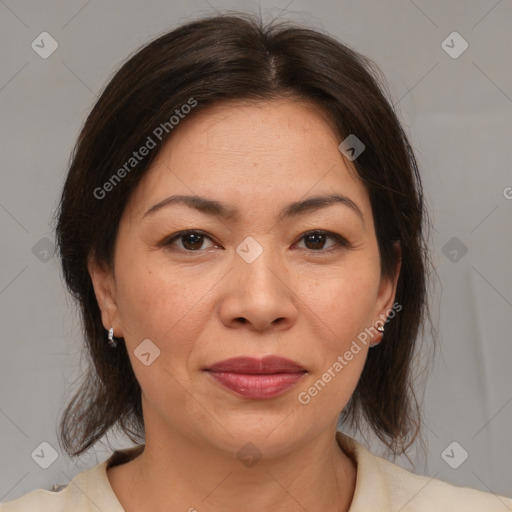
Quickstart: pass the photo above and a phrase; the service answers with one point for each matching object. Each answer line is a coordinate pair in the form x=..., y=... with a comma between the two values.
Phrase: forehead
x=246, y=129
x=251, y=153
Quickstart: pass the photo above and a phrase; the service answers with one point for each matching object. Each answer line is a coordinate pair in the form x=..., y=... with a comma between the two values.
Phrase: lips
x=254, y=378
x=251, y=365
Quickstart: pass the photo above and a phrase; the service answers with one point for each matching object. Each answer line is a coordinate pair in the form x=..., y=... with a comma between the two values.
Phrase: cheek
x=165, y=309
x=342, y=308
x=159, y=304
x=343, y=299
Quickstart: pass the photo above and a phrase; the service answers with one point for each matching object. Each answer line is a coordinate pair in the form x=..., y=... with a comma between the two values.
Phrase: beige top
x=381, y=486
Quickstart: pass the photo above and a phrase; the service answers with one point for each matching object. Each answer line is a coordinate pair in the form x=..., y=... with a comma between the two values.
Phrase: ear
x=105, y=290
x=387, y=289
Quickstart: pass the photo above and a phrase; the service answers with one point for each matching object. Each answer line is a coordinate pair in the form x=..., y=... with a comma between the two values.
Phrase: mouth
x=254, y=378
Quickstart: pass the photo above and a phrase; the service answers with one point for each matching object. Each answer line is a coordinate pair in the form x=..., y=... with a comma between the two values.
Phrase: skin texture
x=298, y=300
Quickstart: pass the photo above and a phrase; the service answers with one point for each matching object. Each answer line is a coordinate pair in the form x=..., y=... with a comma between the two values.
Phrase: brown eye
x=316, y=240
x=191, y=241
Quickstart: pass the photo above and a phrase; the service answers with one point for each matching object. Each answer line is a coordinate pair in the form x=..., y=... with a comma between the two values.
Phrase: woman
x=242, y=226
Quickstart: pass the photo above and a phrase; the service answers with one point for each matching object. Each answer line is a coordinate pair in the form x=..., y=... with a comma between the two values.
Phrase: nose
x=258, y=296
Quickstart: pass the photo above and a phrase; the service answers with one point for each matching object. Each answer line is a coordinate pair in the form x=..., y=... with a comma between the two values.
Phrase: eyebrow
x=222, y=210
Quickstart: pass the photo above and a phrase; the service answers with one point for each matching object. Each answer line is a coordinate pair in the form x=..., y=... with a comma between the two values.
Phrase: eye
x=315, y=240
x=191, y=240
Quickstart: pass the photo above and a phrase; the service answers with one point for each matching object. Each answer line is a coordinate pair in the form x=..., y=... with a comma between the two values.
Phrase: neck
x=317, y=476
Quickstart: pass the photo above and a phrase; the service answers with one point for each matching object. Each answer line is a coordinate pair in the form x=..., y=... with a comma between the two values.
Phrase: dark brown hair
x=224, y=58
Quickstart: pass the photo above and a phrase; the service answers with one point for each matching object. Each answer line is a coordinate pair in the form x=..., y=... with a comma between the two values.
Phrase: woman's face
x=255, y=280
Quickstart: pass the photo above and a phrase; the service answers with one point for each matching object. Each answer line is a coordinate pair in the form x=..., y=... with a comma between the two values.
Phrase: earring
x=111, y=341
x=380, y=328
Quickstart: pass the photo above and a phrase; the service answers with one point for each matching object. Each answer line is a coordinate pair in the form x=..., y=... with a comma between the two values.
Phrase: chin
x=271, y=432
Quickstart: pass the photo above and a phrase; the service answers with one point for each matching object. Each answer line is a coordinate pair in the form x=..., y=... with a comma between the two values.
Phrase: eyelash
x=341, y=242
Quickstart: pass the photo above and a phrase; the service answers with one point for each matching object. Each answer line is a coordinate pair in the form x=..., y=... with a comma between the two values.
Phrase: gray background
x=458, y=114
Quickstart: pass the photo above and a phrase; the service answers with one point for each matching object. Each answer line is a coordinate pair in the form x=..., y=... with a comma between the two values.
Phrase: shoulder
x=89, y=490
x=418, y=493
x=42, y=500
x=382, y=486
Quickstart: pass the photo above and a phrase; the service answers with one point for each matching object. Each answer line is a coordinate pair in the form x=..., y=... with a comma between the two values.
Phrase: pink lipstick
x=260, y=379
